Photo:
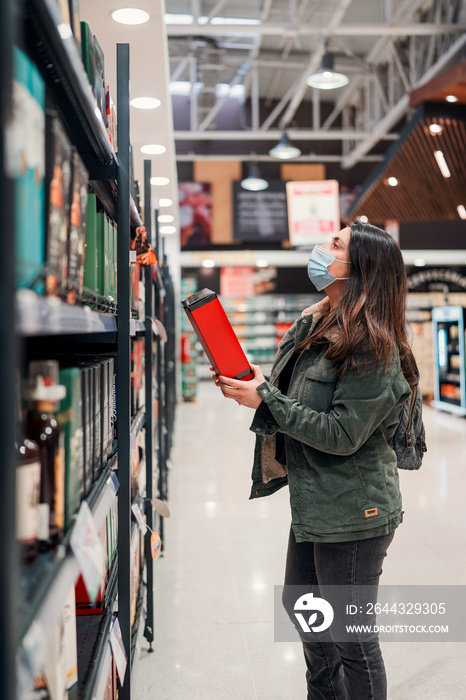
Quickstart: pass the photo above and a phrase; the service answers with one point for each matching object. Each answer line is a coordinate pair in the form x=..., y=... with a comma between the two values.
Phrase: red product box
x=216, y=335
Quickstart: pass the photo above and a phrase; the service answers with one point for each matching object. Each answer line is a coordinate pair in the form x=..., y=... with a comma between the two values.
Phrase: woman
x=341, y=370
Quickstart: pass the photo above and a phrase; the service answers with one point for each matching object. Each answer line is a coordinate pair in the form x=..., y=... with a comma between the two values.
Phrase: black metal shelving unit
x=33, y=325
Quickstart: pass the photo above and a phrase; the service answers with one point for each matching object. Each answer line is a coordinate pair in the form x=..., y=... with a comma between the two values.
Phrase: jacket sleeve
x=359, y=405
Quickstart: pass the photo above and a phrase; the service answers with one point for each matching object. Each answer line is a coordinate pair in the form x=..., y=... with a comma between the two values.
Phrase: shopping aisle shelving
x=225, y=553
x=79, y=331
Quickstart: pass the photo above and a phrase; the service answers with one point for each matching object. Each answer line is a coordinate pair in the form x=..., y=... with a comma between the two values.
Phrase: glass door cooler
x=449, y=359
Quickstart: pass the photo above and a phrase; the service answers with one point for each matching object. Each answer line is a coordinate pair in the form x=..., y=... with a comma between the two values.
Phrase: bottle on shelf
x=27, y=498
x=43, y=392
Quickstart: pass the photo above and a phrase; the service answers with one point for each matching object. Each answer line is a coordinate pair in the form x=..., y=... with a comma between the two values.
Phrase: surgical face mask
x=317, y=267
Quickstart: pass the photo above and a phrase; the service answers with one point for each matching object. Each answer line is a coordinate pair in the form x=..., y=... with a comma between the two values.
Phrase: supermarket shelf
x=60, y=63
x=48, y=583
x=138, y=423
x=61, y=66
x=95, y=652
x=137, y=632
x=44, y=316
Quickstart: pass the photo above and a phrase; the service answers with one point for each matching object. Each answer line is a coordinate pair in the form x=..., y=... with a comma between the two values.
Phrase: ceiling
x=387, y=48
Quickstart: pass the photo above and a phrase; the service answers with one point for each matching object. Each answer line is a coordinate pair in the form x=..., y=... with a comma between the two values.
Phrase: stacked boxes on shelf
x=100, y=262
x=188, y=346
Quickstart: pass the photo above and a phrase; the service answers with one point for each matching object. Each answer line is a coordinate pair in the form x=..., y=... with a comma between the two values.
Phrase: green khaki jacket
x=341, y=472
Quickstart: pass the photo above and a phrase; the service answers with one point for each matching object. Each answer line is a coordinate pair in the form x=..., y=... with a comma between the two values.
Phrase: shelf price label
x=88, y=550
x=118, y=649
x=139, y=519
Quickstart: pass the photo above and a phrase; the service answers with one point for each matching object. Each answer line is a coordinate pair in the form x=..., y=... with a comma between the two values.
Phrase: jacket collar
x=318, y=311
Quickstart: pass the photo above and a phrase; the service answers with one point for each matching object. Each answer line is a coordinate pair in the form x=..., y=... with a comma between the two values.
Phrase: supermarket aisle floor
x=224, y=554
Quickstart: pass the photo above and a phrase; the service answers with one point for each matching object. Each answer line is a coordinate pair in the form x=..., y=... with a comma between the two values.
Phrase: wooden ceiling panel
x=423, y=193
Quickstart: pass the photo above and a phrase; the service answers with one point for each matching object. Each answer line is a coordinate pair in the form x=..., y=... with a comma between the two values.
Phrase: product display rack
x=449, y=359
x=37, y=326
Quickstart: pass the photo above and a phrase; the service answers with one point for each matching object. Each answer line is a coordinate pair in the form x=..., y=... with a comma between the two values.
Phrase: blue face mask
x=317, y=267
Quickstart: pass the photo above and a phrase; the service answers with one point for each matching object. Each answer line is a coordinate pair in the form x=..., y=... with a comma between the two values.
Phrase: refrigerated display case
x=449, y=359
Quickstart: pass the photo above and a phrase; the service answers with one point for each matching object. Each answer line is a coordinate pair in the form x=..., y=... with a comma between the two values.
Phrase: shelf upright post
x=9, y=575
x=160, y=383
x=148, y=272
x=124, y=362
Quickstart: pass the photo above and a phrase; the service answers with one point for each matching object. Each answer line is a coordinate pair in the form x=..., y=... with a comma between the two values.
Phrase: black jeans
x=339, y=670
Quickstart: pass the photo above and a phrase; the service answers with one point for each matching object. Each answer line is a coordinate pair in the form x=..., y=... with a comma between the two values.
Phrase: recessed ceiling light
x=442, y=163
x=166, y=219
x=165, y=202
x=130, y=15
x=145, y=102
x=159, y=181
x=461, y=211
x=262, y=262
x=363, y=219
x=167, y=229
x=419, y=262
x=435, y=129
x=153, y=149
x=451, y=98
x=392, y=181
x=208, y=262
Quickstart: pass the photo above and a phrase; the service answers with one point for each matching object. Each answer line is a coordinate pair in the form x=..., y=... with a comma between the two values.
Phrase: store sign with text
x=260, y=216
x=313, y=211
x=237, y=281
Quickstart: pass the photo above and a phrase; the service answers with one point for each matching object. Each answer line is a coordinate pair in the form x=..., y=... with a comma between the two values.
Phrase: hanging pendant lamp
x=284, y=150
x=326, y=78
x=254, y=182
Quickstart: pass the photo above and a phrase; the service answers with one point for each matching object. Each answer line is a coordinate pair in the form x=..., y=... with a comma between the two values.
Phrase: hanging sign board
x=313, y=211
x=260, y=216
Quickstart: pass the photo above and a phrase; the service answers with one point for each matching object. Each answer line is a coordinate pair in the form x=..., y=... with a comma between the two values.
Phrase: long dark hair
x=371, y=316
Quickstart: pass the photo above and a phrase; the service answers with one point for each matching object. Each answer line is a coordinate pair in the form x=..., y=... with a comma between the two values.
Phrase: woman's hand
x=244, y=393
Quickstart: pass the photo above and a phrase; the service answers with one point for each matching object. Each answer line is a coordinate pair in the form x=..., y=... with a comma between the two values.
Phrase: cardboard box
x=70, y=420
x=27, y=142
x=58, y=192
x=77, y=230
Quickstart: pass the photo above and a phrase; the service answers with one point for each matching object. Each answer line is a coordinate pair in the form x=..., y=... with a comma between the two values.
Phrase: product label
x=118, y=649
x=27, y=501
x=60, y=484
x=88, y=550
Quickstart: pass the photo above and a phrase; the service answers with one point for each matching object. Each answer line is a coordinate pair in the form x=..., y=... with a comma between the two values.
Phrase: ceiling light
x=419, y=262
x=435, y=129
x=166, y=219
x=208, y=262
x=363, y=219
x=392, y=181
x=159, y=181
x=165, y=202
x=262, y=262
x=145, y=102
x=153, y=149
x=254, y=182
x=177, y=18
x=130, y=15
x=167, y=229
x=284, y=150
x=326, y=78
x=461, y=211
x=451, y=98
x=442, y=163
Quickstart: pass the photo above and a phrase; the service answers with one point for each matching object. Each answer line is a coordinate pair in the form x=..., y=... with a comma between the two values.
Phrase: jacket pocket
x=318, y=387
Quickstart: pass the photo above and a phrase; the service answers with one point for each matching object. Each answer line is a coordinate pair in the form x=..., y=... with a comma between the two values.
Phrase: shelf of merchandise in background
x=109, y=326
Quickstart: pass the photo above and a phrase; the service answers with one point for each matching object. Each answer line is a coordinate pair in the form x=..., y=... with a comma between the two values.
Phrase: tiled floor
x=224, y=554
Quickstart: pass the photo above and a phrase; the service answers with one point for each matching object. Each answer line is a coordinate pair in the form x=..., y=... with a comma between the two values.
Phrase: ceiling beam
x=351, y=29
x=399, y=110
x=274, y=134
x=254, y=157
